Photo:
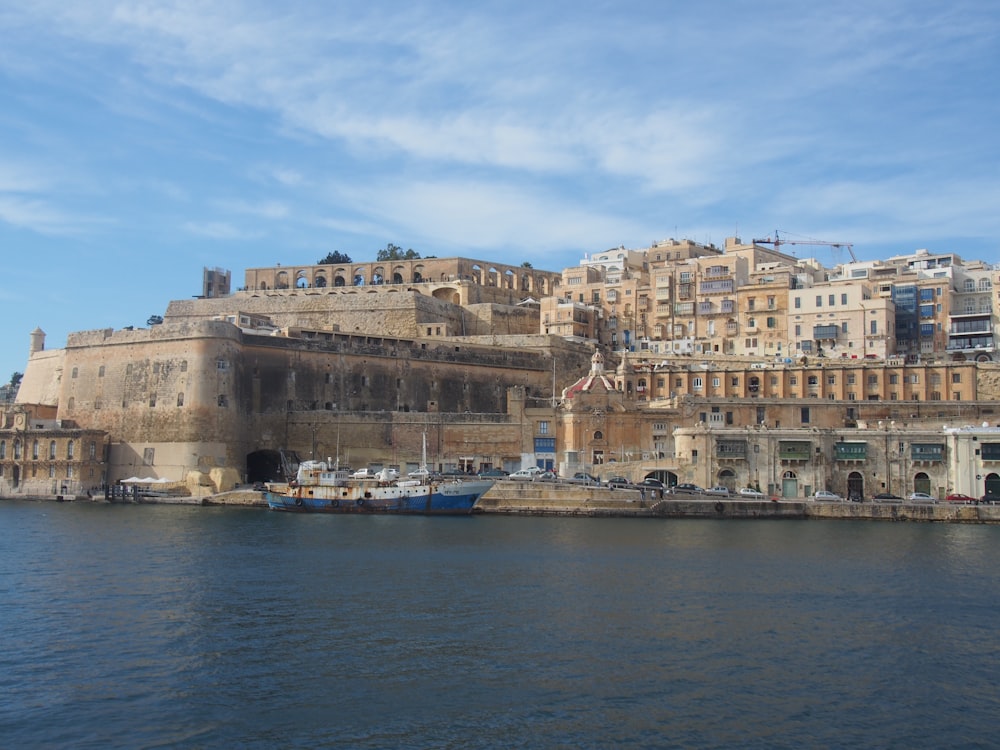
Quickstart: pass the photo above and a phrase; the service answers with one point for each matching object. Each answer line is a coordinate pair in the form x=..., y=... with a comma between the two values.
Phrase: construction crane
x=778, y=242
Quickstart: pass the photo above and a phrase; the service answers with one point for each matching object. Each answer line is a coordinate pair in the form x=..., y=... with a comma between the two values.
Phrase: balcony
x=825, y=333
x=794, y=450
x=927, y=452
x=850, y=451
x=733, y=450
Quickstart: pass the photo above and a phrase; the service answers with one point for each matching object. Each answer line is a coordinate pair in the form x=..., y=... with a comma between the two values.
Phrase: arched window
x=70, y=450
x=598, y=435
x=52, y=449
x=34, y=450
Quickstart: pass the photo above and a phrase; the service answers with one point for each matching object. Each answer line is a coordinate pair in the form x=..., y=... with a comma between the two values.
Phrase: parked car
x=718, y=491
x=921, y=497
x=547, y=476
x=493, y=474
x=958, y=497
x=989, y=498
x=650, y=483
x=825, y=496
x=751, y=493
x=886, y=497
x=685, y=488
x=582, y=477
x=620, y=483
x=526, y=475
x=364, y=473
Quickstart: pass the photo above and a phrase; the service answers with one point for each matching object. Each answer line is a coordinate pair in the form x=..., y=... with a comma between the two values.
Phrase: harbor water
x=191, y=627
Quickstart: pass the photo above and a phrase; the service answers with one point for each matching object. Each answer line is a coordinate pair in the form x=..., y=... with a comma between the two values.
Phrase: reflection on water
x=193, y=627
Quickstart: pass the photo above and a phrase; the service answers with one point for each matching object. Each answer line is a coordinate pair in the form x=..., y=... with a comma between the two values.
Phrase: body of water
x=190, y=627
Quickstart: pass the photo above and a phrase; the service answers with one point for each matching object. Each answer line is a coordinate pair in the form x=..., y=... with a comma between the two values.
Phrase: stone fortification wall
x=502, y=320
x=400, y=314
x=42, y=376
x=198, y=396
x=988, y=381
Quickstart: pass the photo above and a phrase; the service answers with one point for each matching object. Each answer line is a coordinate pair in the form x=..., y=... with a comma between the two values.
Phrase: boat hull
x=449, y=498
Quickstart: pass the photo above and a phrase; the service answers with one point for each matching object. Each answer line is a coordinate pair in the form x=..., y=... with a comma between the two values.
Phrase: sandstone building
x=736, y=366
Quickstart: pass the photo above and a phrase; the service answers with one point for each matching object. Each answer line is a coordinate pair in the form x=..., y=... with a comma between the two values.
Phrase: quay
x=537, y=499
x=544, y=499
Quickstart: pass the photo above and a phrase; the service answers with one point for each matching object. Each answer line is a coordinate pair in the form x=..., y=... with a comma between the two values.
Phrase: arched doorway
x=789, y=484
x=922, y=483
x=993, y=485
x=855, y=485
x=264, y=466
x=727, y=479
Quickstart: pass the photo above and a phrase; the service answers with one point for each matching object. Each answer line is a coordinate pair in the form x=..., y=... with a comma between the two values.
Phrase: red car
x=960, y=498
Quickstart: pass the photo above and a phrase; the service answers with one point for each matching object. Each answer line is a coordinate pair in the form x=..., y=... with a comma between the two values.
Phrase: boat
x=321, y=488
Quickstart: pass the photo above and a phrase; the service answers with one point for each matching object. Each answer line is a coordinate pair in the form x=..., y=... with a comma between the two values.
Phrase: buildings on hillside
x=736, y=365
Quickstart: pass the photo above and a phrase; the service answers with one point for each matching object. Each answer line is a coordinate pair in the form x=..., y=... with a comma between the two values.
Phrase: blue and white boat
x=319, y=488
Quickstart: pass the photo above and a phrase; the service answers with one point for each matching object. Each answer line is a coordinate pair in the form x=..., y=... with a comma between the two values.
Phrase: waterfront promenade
x=544, y=499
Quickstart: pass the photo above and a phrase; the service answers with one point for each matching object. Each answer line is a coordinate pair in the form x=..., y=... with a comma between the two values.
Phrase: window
x=751, y=303
x=772, y=322
x=805, y=415
x=830, y=300
x=76, y=371
x=543, y=428
x=831, y=379
x=147, y=456
x=70, y=450
x=52, y=450
x=716, y=382
x=843, y=327
x=873, y=327
x=819, y=300
x=34, y=450
x=798, y=303
x=100, y=371
x=873, y=380
x=843, y=299
x=180, y=399
x=223, y=400
x=696, y=382
x=956, y=377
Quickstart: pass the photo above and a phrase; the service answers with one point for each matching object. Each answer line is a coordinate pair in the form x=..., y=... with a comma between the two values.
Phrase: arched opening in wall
x=477, y=274
x=417, y=277
x=359, y=277
x=320, y=281
x=525, y=282
x=339, y=280
x=378, y=275
x=493, y=277
x=855, y=486
x=264, y=466
x=993, y=485
x=281, y=280
x=508, y=279
x=727, y=479
x=789, y=484
x=397, y=278
x=301, y=282
x=263, y=286
x=922, y=483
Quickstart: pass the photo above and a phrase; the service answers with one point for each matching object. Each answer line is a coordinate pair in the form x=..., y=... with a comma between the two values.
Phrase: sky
x=142, y=141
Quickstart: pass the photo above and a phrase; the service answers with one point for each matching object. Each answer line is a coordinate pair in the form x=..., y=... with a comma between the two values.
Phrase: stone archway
x=789, y=484
x=922, y=483
x=993, y=485
x=855, y=485
x=264, y=466
x=727, y=479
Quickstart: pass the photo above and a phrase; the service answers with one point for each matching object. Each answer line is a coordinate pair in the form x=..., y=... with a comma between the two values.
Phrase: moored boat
x=318, y=488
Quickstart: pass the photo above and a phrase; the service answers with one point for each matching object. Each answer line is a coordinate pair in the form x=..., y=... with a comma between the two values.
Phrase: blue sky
x=143, y=141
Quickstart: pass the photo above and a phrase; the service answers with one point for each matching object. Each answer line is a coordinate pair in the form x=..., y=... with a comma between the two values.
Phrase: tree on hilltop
x=334, y=258
x=395, y=252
